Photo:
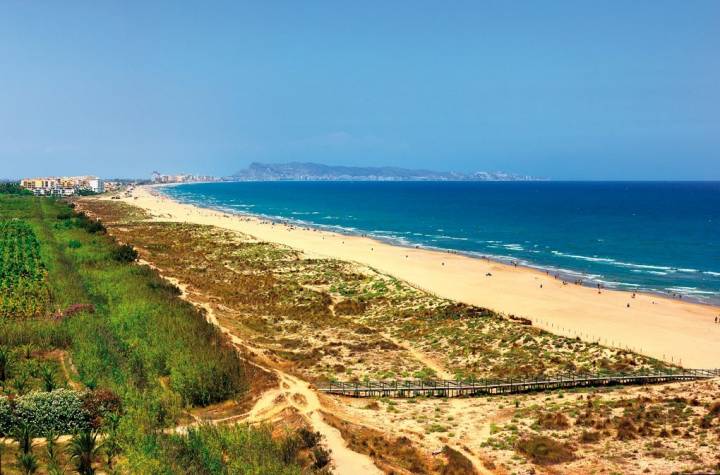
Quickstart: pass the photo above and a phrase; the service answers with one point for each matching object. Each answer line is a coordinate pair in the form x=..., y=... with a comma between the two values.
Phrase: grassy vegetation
x=676, y=427
x=13, y=188
x=330, y=319
x=24, y=291
x=113, y=326
x=544, y=450
x=390, y=454
x=336, y=320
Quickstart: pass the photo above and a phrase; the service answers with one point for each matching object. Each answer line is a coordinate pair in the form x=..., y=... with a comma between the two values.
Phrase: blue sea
x=642, y=236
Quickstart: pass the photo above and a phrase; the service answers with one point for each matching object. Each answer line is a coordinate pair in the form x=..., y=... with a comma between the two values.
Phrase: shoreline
x=676, y=331
x=562, y=273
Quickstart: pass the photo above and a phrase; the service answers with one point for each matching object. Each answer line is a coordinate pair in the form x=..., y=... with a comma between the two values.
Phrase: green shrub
x=125, y=253
x=92, y=226
x=7, y=418
x=60, y=411
x=13, y=188
x=230, y=449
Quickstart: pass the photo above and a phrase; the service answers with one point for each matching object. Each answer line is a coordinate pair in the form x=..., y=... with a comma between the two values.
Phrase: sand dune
x=664, y=328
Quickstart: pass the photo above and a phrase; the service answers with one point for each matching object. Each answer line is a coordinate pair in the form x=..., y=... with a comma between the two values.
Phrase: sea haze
x=650, y=236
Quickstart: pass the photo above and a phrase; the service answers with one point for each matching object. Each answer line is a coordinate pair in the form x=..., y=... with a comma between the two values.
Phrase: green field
x=78, y=316
x=23, y=278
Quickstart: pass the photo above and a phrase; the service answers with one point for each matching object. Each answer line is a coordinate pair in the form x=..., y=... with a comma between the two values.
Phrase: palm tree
x=27, y=463
x=83, y=450
x=20, y=382
x=4, y=362
x=48, y=377
x=52, y=453
x=111, y=446
x=23, y=435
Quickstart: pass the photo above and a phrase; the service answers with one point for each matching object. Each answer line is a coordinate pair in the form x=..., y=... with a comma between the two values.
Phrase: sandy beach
x=669, y=329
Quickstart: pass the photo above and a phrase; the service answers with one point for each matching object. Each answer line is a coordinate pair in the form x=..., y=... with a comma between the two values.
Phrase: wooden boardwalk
x=483, y=387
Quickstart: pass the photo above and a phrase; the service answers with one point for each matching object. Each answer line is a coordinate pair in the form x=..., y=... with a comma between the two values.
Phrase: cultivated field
x=102, y=364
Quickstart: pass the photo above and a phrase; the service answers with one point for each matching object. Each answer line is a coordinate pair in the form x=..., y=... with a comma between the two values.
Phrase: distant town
x=79, y=185
x=157, y=177
x=65, y=186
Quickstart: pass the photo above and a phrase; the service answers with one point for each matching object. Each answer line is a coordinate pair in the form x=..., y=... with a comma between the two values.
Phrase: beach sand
x=669, y=329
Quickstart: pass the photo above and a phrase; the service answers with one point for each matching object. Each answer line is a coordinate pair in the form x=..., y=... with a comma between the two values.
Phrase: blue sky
x=569, y=90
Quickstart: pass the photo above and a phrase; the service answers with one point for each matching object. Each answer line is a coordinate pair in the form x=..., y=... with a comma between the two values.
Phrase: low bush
x=350, y=307
x=553, y=421
x=544, y=450
x=90, y=225
x=626, y=430
x=457, y=463
x=6, y=416
x=62, y=411
x=125, y=253
x=230, y=449
x=98, y=404
x=589, y=437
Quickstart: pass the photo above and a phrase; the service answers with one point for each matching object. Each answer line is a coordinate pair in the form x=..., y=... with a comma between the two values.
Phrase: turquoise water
x=661, y=237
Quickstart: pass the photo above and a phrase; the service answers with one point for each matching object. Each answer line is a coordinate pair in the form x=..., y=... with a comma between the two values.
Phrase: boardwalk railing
x=480, y=387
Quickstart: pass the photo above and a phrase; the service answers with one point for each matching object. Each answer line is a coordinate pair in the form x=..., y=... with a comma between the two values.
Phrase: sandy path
x=297, y=394
x=426, y=360
x=660, y=327
x=291, y=392
x=64, y=363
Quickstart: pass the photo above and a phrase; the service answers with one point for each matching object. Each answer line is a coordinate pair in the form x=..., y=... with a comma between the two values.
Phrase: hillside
x=316, y=171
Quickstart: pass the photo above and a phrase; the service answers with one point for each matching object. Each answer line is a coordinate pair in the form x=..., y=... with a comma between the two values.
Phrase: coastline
x=617, y=266
x=669, y=329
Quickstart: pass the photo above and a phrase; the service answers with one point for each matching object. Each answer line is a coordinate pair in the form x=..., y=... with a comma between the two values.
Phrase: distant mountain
x=316, y=171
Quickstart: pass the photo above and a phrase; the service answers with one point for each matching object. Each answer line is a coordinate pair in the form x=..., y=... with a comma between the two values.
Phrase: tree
x=83, y=450
x=4, y=362
x=27, y=463
x=52, y=453
x=24, y=437
x=48, y=377
x=13, y=188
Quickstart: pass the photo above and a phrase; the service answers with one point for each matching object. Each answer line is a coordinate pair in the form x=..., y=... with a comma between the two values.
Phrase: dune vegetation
x=324, y=319
x=337, y=320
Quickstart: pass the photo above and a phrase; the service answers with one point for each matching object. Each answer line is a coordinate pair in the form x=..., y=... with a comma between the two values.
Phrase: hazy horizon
x=567, y=91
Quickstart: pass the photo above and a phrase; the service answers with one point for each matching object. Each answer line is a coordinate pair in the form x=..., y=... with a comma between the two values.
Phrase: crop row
x=24, y=290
